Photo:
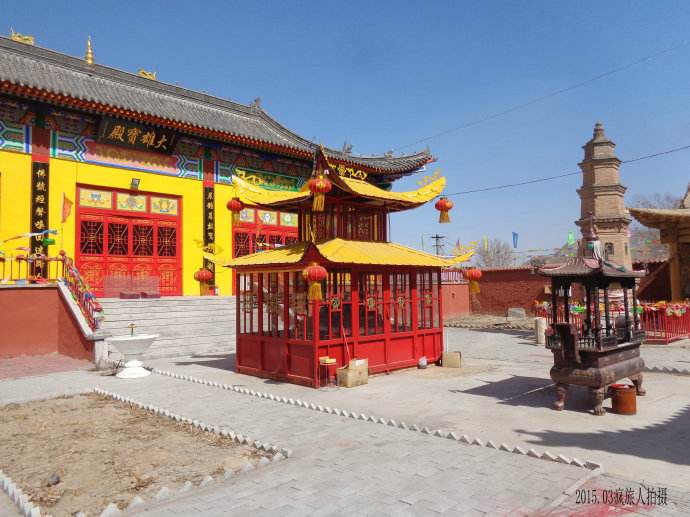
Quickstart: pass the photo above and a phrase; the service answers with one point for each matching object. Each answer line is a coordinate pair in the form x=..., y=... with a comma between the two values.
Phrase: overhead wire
x=557, y=176
x=549, y=95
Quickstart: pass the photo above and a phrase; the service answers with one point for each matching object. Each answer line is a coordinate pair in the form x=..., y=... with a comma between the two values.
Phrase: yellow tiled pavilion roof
x=341, y=251
x=413, y=197
x=258, y=196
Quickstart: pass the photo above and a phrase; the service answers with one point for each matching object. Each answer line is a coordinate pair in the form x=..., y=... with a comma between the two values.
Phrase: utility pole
x=438, y=243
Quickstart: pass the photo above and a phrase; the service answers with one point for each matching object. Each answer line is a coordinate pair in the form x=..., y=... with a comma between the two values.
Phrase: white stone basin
x=132, y=347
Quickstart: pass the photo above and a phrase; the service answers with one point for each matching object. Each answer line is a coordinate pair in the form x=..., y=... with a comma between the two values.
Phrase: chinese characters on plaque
x=209, y=227
x=136, y=136
x=39, y=208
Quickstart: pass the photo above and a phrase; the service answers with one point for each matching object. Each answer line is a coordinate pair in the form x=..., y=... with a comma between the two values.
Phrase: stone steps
x=185, y=325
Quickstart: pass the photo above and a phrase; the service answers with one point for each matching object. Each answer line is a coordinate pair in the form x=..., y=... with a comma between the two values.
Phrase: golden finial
x=21, y=38
x=89, y=51
x=146, y=74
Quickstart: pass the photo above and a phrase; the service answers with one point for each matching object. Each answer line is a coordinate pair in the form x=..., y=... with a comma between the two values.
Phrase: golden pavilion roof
x=342, y=251
x=363, y=191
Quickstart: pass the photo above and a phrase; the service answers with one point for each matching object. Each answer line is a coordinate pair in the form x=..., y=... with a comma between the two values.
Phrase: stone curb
x=19, y=498
x=277, y=454
x=666, y=369
x=438, y=433
x=479, y=326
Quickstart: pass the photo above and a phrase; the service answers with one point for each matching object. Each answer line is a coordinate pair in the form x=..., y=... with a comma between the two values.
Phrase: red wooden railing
x=665, y=322
x=662, y=323
x=40, y=269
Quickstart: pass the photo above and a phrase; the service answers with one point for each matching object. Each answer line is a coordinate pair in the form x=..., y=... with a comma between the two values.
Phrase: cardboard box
x=452, y=359
x=354, y=374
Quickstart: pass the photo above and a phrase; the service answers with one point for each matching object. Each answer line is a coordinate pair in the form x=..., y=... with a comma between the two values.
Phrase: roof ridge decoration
x=37, y=72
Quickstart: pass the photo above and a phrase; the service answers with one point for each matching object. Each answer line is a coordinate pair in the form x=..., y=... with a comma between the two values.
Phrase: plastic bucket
x=624, y=399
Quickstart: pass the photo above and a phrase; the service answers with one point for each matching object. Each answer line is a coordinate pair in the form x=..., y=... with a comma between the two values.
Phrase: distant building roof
x=33, y=72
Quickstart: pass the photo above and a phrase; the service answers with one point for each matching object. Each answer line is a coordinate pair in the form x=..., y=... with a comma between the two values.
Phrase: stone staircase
x=186, y=325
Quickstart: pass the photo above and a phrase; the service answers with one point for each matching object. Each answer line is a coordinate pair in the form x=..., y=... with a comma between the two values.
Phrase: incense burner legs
x=637, y=381
x=598, y=396
x=561, y=393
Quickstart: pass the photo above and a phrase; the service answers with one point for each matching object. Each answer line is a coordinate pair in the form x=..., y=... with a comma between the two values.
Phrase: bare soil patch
x=105, y=451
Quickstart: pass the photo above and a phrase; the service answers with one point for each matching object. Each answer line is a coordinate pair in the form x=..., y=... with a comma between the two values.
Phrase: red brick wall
x=37, y=321
x=456, y=300
x=502, y=289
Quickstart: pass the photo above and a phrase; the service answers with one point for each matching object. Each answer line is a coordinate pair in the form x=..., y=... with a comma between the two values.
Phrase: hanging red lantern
x=203, y=275
x=314, y=274
x=319, y=186
x=444, y=205
x=473, y=275
x=235, y=206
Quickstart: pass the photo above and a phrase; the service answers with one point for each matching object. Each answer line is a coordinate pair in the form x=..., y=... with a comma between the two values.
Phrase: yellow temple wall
x=15, y=195
x=65, y=175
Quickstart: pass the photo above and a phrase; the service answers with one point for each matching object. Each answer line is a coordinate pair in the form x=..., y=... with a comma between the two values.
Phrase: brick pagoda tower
x=603, y=195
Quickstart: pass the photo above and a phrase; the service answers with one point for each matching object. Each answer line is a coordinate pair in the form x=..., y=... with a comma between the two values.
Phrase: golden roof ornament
x=89, y=52
x=21, y=38
x=147, y=75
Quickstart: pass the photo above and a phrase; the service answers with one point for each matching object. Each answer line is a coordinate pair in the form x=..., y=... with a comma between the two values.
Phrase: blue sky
x=380, y=75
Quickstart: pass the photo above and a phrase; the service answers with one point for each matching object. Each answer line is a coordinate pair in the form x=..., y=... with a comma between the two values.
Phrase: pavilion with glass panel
x=380, y=301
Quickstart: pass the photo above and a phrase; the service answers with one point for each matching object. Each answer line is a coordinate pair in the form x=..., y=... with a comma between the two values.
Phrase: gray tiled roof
x=36, y=67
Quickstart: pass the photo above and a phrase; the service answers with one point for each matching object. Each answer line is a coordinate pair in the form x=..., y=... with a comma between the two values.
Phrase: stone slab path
x=343, y=466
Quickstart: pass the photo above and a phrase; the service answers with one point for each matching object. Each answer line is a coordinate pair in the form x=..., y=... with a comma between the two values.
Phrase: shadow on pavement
x=519, y=390
x=225, y=362
x=665, y=441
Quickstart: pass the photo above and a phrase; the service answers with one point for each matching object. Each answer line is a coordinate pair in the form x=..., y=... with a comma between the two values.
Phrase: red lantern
x=319, y=186
x=203, y=275
x=235, y=206
x=444, y=205
x=314, y=274
x=473, y=275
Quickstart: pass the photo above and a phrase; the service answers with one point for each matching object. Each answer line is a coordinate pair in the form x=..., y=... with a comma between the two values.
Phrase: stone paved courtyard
x=341, y=465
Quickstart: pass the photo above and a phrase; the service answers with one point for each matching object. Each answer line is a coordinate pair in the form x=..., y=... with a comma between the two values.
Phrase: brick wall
x=456, y=300
x=37, y=321
x=511, y=287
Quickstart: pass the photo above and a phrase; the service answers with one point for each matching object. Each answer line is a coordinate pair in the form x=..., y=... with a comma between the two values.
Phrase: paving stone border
x=666, y=369
x=465, y=439
x=26, y=507
x=276, y=454
x=488, y=326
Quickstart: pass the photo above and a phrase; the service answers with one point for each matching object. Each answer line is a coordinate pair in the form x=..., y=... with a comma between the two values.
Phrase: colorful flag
x=66, y=208
x=571, y=239
x=486, y=243
x=515, y=239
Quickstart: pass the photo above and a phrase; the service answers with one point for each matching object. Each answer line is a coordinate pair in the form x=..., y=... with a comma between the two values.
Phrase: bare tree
x=497, y=253
x=656, y=200
x=643, y=240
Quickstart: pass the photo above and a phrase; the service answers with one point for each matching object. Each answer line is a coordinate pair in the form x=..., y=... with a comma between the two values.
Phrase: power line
x=549, y=178
x=554, y=93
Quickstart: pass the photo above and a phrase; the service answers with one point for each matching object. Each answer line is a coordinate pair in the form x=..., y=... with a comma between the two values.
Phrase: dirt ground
x=492, y=321
x=104, y=451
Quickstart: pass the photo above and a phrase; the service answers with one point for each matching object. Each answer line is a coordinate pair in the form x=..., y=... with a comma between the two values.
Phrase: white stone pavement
x=339, y=465
x=346, y=466
x=503, y=393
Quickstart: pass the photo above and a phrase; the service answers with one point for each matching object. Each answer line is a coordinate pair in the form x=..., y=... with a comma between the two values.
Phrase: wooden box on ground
x=451, y=360
x=355, y=374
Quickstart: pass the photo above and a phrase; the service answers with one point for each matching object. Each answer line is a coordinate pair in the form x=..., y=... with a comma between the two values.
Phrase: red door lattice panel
x=137, y=251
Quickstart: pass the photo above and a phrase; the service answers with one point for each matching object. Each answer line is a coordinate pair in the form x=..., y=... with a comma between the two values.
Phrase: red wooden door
x=132, y=250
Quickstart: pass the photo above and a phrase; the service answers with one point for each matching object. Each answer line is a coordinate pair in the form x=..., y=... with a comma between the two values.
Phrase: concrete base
x=133, y=370
x=452, y=359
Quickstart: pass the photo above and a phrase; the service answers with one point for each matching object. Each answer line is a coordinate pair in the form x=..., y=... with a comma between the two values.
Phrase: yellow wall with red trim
x=65, y=175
